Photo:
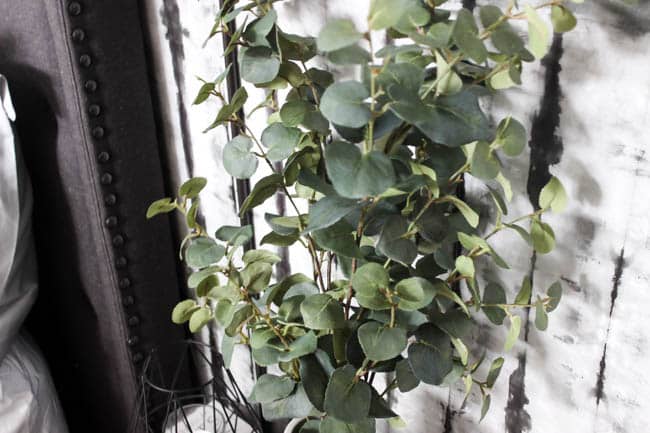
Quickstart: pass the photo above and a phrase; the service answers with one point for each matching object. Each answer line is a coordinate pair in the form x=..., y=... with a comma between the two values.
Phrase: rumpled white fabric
x=28, y=401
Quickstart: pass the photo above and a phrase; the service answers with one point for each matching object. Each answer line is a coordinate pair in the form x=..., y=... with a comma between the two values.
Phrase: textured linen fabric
x=28, y=401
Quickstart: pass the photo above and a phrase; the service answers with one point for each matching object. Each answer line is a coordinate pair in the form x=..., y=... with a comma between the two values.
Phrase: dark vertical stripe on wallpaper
x=546, y=149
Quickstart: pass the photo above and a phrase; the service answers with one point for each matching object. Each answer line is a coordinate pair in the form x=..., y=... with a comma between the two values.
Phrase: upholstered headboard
x=108, y=278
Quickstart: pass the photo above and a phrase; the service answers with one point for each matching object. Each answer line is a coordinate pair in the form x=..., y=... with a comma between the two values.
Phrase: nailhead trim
x=94, y=110
x=87, y=61
x=98, y=132
x=110, y=199
x=103, y=157
x=75, y=9
x=78, y=35
x=90, y=86
x=106, y=179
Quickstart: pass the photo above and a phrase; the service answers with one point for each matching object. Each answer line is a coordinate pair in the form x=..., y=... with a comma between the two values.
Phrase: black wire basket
x=165, y=405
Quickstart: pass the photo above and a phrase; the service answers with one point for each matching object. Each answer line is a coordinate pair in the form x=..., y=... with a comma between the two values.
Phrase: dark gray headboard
x=108, y=278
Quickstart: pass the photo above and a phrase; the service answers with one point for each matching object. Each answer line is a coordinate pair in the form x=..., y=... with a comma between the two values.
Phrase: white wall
x=588, y=372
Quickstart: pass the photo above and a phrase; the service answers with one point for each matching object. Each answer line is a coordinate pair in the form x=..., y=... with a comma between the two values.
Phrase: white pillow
x=28, y=401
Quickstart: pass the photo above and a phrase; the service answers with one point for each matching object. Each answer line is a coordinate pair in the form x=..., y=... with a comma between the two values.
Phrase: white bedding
x=28, y=402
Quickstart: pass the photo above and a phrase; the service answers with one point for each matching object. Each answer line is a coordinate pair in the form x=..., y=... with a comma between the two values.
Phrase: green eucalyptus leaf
x=406, y=380
x=513, y=333
x=562, y=19
x=430, y=356
x=347, y=398
x=270, y=387
x=235, y=235
x=259, y=65
x=392, y=244
x=538, y=33
x=511, y=136
x=351, y=55
x=339, y=239
x=183, y=311
x=494, y=294
x=369, y=281
x=315, y=380
x=494, y=371
x=280, y=141
x=253, y=256
x=503, y=35
x=385, y=13
x=553, y=196
x=192, y=187
x=164, y=205
x=485, y=406
x=199, y=319
x=381, y=343
x=256, y=276
x=322, y=312
x=465, y=266
x=523, y=297
x=337, y=34
x=468, y=213
x=238, y=160
x=485, y=165
x=344, y=104
x=355, y=175
x=301, y=346
x=414, y=293
x=328, y=211
x=202, y=252
x=204, y=93
x=542, y=236
x=555, y=293
x=257, y=30
x=296, y=405
x=541, y=317
x=465, y=35
x=263, y=189
x=453, y=120
x=240, y=315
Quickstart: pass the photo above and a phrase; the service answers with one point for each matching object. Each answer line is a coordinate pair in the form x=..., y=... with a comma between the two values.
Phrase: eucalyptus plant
x=371, y=168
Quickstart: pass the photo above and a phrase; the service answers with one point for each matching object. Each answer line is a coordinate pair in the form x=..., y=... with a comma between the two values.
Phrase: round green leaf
x=322, y=312
x=164, y=205
x=259, y=65
x=183, y=311
x=355, y=175
x=542, y=236
x=270, y=387
x=337, y=34
x=562, y=19
x=494, y=294
x=346, y=398
x=538, y=34
x=343, y=104
x=465, y=266
x=430, y=357
x=392, y=244
x=192, y=187
x=555, y=293
x=414, y=293
x=385, y=13
x=406, y=380
x=314, y=379
x=368, y=282
x=200, y=318
x=553, y=196
x=202, y=252
x=238, y=160
x=280, y=140
x=380, y=343
x=511, y=136
x=465, y=34
x=485, y=166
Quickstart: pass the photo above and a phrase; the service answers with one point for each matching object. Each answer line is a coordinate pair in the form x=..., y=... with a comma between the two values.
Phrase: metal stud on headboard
x=86, y=63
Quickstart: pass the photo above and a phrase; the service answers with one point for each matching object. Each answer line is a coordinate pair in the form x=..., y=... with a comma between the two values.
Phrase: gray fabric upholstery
x=108, y=278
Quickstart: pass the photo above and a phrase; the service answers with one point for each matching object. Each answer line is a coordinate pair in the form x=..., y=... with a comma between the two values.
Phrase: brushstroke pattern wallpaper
x=586, y=108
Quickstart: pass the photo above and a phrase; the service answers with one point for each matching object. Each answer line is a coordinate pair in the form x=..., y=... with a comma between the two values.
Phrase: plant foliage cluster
x=378, y=162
